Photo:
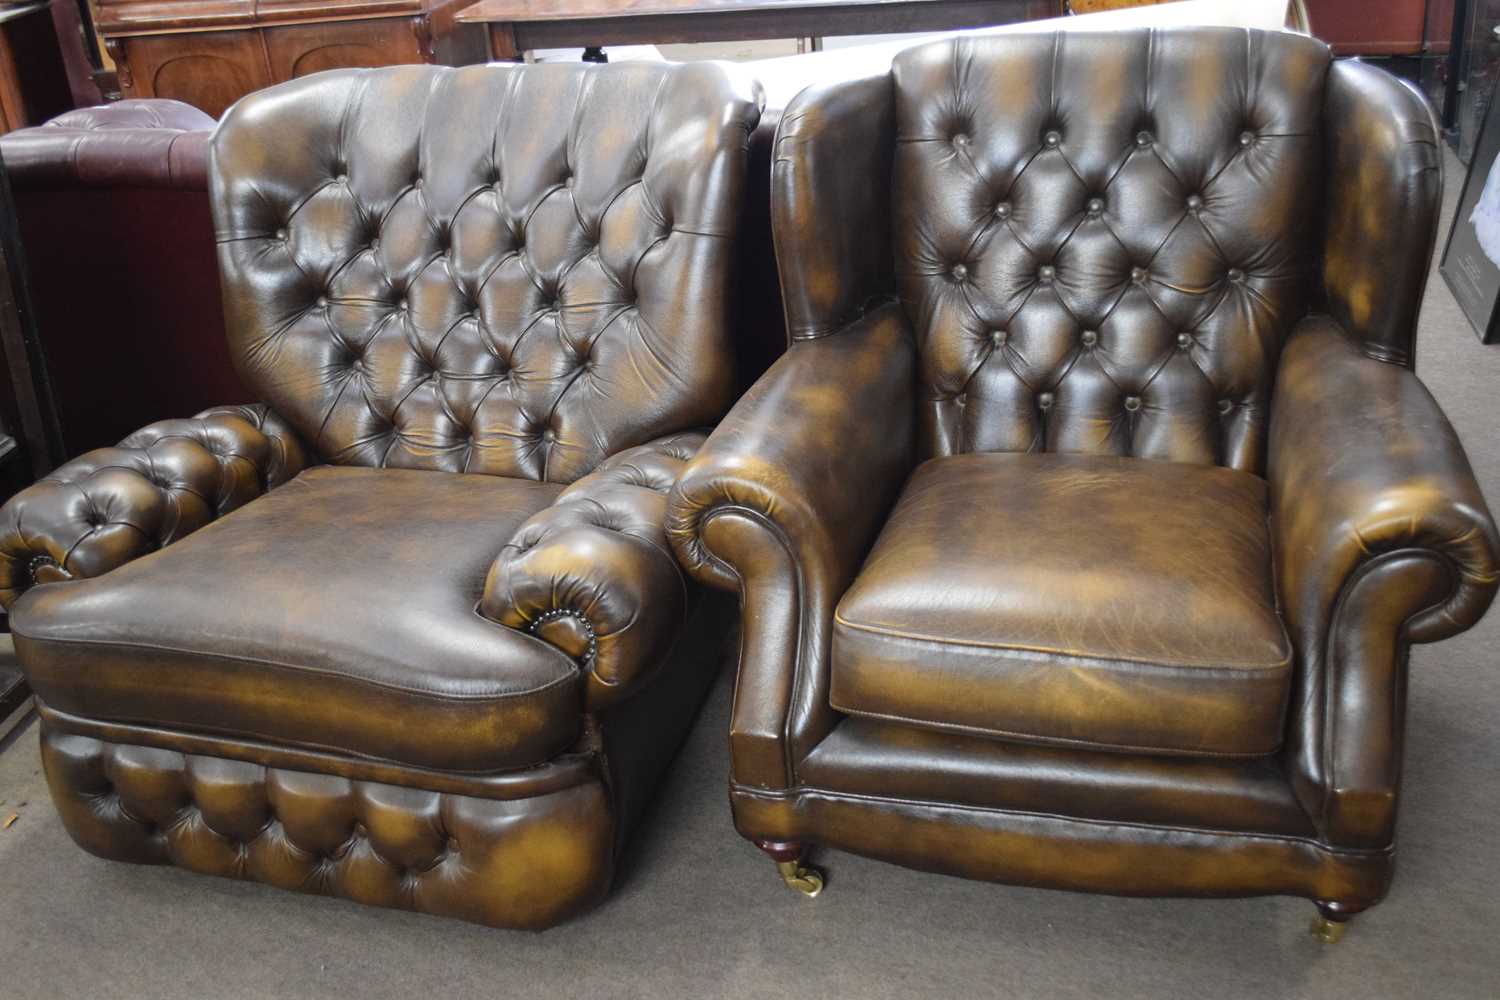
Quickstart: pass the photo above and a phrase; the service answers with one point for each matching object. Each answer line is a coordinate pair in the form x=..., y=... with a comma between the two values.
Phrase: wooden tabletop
x=520, y=11
x=517, y=25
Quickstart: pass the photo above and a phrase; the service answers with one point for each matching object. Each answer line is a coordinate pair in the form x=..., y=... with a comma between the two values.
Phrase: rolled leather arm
x=783, y=503
x=168, y=479
x=1381, y=538
x=592, y=574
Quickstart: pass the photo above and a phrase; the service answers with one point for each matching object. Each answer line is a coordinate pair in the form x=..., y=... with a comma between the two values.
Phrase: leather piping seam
x=1060, y=740
x=437, y=696
x=759, y=517
x=792, y=794
x=308, y=746
x=156, y=737
x=1329, y=786
x=1025, y=651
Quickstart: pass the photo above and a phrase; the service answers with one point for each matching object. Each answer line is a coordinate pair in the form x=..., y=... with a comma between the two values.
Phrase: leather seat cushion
x=1116, y=603
x=270, y=627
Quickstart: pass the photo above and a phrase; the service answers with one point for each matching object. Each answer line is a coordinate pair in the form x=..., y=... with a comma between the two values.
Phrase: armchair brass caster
x=808, y=881
x=1327, y=931
x=1329, y=924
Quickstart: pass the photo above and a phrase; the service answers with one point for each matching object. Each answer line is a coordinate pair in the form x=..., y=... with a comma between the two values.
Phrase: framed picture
x=1471, y=258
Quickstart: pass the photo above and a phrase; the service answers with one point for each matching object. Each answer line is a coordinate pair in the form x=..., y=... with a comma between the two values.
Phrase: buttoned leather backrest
x=514, y=270
x=1103, y=239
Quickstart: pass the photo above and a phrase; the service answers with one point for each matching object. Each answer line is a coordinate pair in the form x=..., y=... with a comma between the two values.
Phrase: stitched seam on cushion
x=1197, y=668
x=1064, y=741
x=309, y=746
x=321, y=671
x=792, y=793
x=154, y=735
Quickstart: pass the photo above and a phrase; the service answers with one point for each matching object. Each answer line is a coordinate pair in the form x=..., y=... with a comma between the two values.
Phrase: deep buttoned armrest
x=783, y=502
x=592, y=574
x=1381, y=538
x=168, y=479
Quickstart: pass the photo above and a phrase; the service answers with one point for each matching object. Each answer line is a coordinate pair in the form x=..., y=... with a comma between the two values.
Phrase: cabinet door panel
x=209, y=70
x=299, y=49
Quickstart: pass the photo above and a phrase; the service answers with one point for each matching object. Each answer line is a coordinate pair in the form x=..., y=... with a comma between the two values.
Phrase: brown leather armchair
x=1082, y=532
x=408, y=630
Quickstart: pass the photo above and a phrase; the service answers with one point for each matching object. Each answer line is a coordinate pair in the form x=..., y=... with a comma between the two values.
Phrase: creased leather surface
x=513, y=270
x=593, y=573
x=1382, y=538
x=528, y=863
x=1102, y=239
x=362, y=640
x=111, y=505
x=1089, y=600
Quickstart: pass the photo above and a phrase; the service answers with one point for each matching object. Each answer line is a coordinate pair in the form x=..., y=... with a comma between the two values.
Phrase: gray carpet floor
x=701, y=914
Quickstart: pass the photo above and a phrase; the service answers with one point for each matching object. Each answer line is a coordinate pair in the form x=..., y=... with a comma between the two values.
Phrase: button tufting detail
x=165, y=813
x=1089, y=338
x=1129, y=231
x=1132, y=403
x=959, y=272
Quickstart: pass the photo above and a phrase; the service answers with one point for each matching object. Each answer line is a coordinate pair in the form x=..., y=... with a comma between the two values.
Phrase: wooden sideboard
x=209, y=53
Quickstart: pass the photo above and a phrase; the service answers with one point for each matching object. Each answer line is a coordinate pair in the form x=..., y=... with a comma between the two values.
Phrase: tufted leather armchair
x=1083, y=530
x=408, y=630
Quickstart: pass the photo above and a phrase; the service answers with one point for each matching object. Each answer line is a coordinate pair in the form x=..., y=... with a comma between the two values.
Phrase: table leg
x=503, y=42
